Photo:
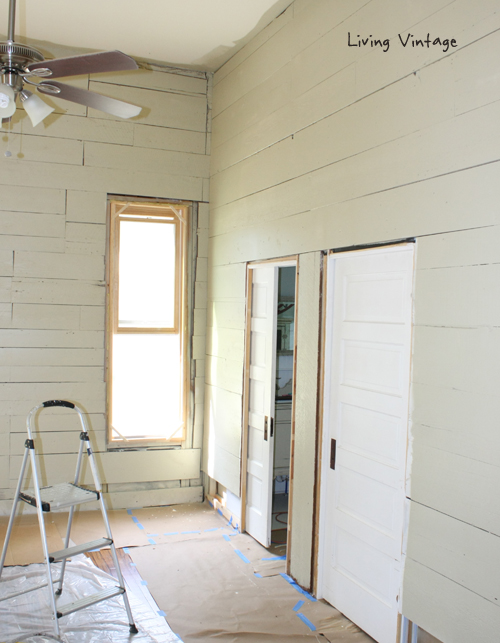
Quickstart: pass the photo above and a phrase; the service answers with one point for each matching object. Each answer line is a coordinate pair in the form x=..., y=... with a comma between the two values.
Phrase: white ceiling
x=202, y=34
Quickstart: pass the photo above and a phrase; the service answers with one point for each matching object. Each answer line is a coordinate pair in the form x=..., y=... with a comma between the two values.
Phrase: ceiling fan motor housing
x=14, y=59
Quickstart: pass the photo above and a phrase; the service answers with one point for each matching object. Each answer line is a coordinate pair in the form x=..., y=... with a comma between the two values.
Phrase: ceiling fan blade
x=90, y=99
x=85, y=64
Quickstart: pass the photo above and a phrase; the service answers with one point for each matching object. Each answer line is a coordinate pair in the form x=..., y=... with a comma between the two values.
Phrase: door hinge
x=265, y=427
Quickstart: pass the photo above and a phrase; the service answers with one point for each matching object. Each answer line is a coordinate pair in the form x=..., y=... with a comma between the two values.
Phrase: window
x=146, y=320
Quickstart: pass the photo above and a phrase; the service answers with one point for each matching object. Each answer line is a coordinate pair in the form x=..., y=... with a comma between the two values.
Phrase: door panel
x=261, y=402
x=366, y=412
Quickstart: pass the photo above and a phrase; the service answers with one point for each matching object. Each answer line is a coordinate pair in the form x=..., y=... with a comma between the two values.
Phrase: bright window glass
x=147, y=275
x=146, y=386
x=146, y=343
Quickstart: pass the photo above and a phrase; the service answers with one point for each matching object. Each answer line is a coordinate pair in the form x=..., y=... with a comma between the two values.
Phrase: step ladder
x=61, y=496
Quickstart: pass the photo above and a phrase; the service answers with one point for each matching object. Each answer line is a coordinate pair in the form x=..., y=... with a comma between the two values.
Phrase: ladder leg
x=97, y=483
x=72, y=509
x=133, y=628
x=43, y=535
x=13, y=511
x=66, y=545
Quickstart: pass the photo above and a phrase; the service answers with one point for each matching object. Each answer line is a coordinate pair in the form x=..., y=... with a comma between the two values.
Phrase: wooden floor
x=104, y=561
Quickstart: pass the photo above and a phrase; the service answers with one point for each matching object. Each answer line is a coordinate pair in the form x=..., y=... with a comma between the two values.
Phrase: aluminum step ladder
x=61, y=496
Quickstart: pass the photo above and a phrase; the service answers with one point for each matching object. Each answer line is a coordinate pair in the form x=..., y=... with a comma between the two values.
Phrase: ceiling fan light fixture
x=7, y=101
x=35, y=107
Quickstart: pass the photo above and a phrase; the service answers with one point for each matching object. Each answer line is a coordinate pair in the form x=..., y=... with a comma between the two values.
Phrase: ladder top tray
x=59, y=496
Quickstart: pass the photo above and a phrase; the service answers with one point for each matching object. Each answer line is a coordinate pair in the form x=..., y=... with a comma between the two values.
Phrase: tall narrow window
x=146, y=343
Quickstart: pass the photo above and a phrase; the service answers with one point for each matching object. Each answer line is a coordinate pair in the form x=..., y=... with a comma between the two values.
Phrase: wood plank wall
x=53, y=195
x=318, y=145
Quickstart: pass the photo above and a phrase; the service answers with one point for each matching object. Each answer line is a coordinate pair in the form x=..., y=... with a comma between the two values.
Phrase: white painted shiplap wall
x=318, y=145
x=53, y=195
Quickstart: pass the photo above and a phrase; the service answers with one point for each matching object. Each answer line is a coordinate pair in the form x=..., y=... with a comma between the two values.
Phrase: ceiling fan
x=22, y=65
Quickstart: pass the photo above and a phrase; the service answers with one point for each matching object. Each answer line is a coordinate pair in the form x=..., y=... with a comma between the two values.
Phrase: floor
x=205, y=578
x=279, y=523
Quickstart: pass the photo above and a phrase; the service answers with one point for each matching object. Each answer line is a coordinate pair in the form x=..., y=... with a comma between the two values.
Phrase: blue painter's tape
x=258, y=575
x=172, y=533
x=310, y=625
x=298, y=606
x=135, y=519
x=304, y=593
x=242, y=556
x=275, y=558
x=230, y=521
x=220, y=512
x=290, y=580
x=161, y=613
x=126, y=550
x=153, y=535
x=139, y=525
x=191, y=532
x=226, y=537
x=211, y=504
x=144, y=582
x=151, y=541
x=133, y=564
x=129, y=511
x=213, y=529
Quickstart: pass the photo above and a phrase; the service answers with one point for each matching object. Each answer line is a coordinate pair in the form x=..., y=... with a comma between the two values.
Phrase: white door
x=262, y=364
x=367, y=378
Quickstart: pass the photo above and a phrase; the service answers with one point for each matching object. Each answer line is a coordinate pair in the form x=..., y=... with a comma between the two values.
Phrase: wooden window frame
x=119, y=210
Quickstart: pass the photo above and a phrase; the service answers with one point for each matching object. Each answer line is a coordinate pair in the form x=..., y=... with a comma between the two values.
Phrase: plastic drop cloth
x=28, y=618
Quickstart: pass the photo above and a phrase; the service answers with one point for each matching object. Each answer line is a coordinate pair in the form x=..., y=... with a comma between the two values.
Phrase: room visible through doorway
x=285, y=334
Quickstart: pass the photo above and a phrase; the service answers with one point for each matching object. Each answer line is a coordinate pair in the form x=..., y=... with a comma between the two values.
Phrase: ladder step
x=79, y=549
x=65, y=494
x=89, y=600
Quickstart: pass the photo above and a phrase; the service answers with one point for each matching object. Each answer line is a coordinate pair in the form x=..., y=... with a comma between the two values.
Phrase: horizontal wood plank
x=224, y=418
x=457, y=358
x=54, y=374
x=32, y=224
x=167, y=138
x=172, y=163
x=31, y=199
x=459, y=551
x=186, y=81
x=57, y=266
x=166, y=109
x=153, y=497
x=225, y=373
x=26, y=338
x=122, y=467
x=457, y=296
x=58, y=291
x=445, y=609
x=86, y=207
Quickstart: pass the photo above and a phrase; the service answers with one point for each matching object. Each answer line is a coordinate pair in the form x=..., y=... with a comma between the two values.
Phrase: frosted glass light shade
x=35, y=107
x=7, y=101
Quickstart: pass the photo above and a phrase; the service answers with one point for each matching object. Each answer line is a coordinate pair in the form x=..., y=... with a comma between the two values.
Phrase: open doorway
x=268, y=402
x=285, y=339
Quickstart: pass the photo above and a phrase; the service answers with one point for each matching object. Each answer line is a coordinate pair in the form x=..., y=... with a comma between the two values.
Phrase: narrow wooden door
x=262, y=365
x=366, y=416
